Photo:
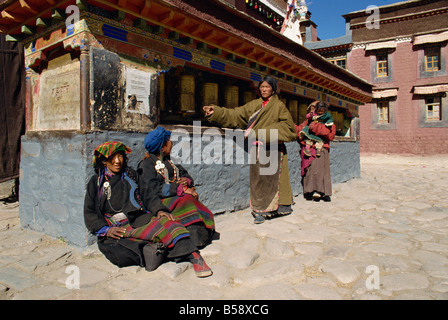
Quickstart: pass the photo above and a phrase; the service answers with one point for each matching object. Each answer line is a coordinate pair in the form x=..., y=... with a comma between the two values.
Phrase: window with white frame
x=433, y=108
x=383, y=111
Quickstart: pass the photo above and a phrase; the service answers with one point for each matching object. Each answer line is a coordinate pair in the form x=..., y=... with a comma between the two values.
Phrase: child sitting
x=321, y=115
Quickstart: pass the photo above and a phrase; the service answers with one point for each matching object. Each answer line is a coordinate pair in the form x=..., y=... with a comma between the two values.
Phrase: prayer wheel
x=161, y=84
x=210, y=94
x=231, y=96
x=338, y=119
x=187, y=88
x=302, y=112
x=248, y=96
x=294, y=109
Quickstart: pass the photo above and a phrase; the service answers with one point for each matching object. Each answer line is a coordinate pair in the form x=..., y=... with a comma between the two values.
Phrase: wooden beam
x=58, y=14
x=146, y=8
x=287, y=66
x=166, y=17
x=42, y=22
x=261, y=55
x=26, y=6
x=14, y=37
x=28, y=30
x=3, y=28
x=180, y=23
x=23, y=20
x=122, y=3
x=269, y=59
x=12, y=16
x=82, y=4
x=209, y=34
x=224, y=40
x=196, y=28
x=249, y=51
x=238, y=46
x=278, y=63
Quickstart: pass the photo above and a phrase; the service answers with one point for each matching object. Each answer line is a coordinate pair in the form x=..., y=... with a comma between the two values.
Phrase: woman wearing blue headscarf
x=176, y=197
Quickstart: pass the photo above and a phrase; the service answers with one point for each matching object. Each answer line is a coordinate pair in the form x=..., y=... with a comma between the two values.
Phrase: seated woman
x=174, y=188
x=127, y=233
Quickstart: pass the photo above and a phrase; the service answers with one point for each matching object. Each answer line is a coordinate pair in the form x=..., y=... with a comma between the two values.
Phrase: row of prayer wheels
x=210, y=95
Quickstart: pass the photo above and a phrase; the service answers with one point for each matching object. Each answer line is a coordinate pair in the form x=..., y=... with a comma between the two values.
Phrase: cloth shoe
x=316, y=196
x=201, y=269
x=154, y=254
x=284, y=210
x=258, y=218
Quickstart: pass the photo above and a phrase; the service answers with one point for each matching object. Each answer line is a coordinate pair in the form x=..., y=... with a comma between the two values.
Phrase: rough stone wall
x=56, y=167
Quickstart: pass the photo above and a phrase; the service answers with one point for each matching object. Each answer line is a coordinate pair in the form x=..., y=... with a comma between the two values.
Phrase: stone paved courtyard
x=383, y=236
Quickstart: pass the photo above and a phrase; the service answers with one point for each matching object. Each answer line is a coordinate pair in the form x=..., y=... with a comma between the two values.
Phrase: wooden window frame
x=432, y=59
x=336, y=60
x=383, y=112
x=436, y=106
x=382, y=65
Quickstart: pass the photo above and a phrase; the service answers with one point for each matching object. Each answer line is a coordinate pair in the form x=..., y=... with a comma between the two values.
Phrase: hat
x=107, y=149
x=312, y=104
x=155, y=139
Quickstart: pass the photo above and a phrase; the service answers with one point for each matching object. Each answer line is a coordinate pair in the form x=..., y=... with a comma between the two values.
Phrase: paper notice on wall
x=138, y=86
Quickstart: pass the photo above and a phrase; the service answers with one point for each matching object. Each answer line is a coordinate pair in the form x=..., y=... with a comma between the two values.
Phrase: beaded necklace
x=163, y=171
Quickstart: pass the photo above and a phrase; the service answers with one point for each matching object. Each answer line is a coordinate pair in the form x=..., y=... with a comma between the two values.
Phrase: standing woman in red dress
x=315, y=171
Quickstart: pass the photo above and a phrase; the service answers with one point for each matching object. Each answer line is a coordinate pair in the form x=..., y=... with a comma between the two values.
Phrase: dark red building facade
x=402, y=50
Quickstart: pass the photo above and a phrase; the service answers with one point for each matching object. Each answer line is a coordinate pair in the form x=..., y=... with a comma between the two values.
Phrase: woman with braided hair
x=129, y=234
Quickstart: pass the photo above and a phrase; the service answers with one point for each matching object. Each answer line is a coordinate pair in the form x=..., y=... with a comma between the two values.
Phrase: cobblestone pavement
x=383, y=236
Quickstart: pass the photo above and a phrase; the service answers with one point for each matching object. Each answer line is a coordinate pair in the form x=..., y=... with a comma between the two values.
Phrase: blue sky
x=327, y=14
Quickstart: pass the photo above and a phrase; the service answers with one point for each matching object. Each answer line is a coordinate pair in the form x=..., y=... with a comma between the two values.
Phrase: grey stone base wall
x=56, y=166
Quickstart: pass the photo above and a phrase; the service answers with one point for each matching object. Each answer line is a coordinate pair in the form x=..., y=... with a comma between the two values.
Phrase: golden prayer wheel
x=338, y=119
x=187, y=93
x=161, y=84
x=294, y=109
x=231, y=97
x=210, y=94
x=248, y=96
x=302, y=112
